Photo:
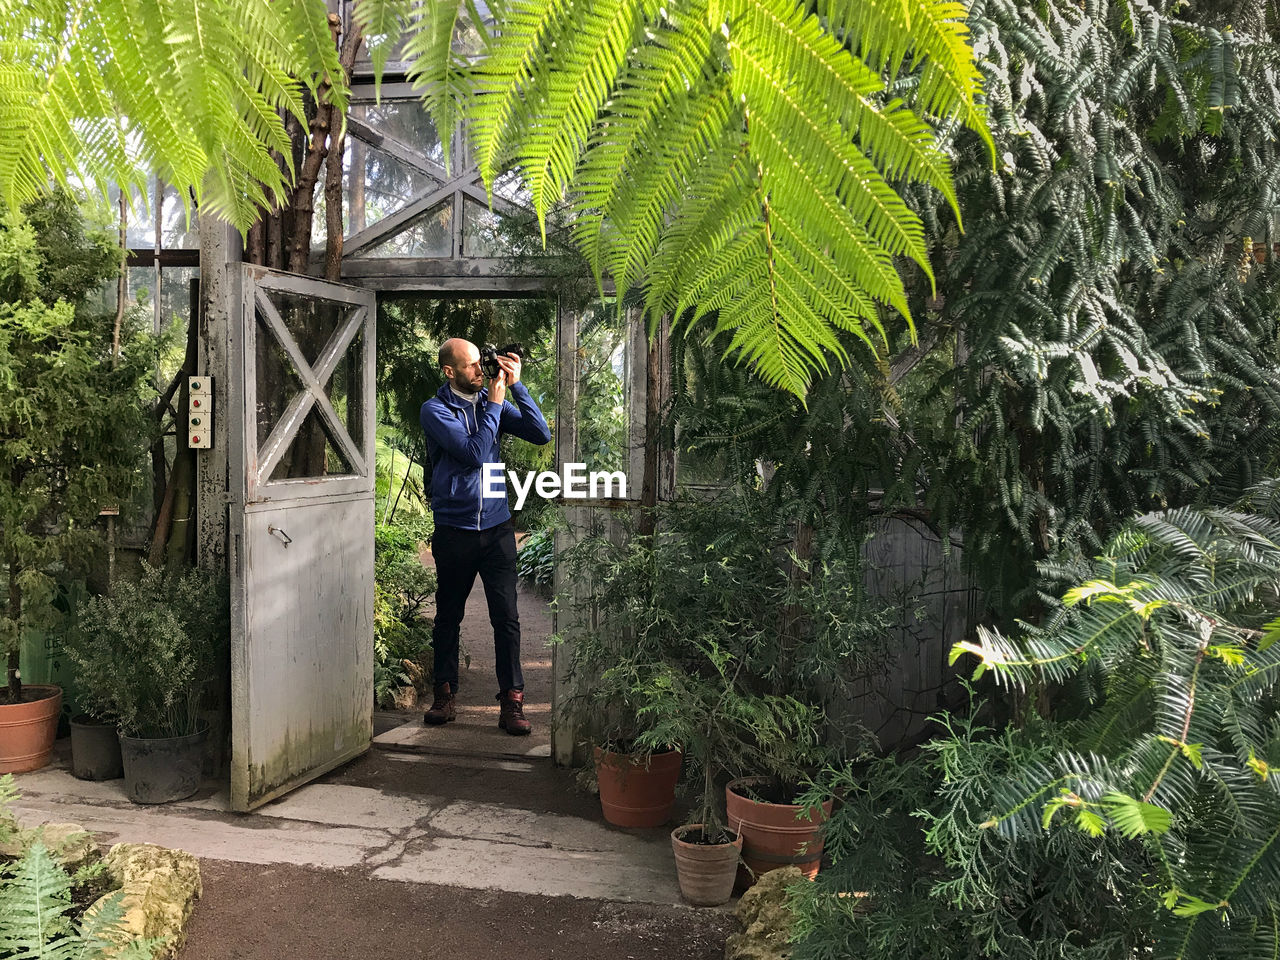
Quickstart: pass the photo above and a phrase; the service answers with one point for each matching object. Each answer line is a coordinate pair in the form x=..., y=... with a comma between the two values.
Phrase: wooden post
x=566, y=440
x=220, y=256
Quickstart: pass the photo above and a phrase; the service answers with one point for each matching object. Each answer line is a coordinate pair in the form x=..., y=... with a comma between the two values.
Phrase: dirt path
x=476, y=726
x=282, y=912
x=476, y=729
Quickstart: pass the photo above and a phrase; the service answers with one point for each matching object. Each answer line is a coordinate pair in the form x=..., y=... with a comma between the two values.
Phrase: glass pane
x=277, y=381
x=346, y=391
x=312, y=453
x=176, y=233
x=481, y=231
x=175, y=306
x=406, y=121
x=430, y=235
x=175, y=293
x=140, y=229
x=142, y=286
x=603, y=360
x=311, y=322
x=375, y=185
x=466, y=38
x=486, y=234
x=510, y=186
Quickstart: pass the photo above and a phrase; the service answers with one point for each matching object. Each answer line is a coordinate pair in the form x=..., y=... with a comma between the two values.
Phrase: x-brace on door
x=302, y=460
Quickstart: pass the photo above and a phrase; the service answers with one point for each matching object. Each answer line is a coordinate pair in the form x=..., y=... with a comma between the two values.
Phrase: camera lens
x=489, y=360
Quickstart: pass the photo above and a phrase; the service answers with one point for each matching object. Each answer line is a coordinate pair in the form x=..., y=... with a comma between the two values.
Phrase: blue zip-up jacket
x=461, y=439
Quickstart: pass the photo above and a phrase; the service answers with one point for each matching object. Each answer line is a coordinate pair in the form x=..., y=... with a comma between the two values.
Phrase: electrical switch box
x=199, y=413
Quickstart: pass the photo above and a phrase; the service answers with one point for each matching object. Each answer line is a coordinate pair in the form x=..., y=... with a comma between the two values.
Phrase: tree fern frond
x=34, y=902
x=103, y=92
x=618, y=105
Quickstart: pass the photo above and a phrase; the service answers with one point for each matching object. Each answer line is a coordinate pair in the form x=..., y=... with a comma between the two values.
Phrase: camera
x=489, y=357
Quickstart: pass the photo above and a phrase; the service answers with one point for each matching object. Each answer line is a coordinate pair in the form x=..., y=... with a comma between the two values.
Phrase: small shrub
x=148, y=654
x=402, y=588
x=536, y=559
x=713, y=635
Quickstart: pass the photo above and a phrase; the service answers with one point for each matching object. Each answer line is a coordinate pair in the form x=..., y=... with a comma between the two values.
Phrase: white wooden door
x=301, y=449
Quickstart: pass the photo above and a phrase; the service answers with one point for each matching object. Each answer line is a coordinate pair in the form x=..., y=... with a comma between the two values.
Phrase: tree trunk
x=275, y=241
x=15, y=615
x=182, y=477
x=256, y=247
x=333, y=207
x=359, y=157
x=309, y=173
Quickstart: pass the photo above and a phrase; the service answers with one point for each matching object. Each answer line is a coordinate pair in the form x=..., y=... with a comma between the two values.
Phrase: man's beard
x=466, y=386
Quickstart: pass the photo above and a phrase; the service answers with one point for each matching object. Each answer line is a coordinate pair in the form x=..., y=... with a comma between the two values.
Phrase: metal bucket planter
x=28, y=729
x=637, y=791
x=95, y=749
x=162, y=770
x=773, y=834
x=705, y=870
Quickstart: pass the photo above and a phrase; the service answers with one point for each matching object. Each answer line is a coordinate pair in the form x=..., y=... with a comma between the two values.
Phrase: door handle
x=280, y=535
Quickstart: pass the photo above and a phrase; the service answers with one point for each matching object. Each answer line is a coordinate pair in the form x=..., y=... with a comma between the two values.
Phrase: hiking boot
x=511, y=714
x=442, y=710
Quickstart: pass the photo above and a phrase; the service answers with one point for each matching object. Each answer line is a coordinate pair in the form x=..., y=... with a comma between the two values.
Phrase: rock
x=71, y=843
x=404, y=698
x=418, y=677
x=158, y=889
x=765, y=919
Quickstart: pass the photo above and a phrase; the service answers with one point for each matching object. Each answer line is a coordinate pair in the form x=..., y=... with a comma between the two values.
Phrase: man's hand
x=498, y=387
x=510, y=365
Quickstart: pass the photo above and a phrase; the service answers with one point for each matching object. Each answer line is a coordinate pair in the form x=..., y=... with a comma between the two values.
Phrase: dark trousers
x=459, y=556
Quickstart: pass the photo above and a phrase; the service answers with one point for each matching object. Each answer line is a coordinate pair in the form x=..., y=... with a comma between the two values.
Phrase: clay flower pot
x=637, y=791
x=773, y=834
x=705, y=870
x=28, y=729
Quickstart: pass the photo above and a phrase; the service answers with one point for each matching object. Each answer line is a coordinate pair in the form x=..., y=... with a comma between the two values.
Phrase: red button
x=195, y=403
x=195, y=439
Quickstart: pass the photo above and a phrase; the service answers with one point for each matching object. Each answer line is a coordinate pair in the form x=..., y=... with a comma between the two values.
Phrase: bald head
x=460, y=362
x=450, y=349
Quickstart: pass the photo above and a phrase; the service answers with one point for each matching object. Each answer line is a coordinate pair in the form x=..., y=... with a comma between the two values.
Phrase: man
x=475, y=534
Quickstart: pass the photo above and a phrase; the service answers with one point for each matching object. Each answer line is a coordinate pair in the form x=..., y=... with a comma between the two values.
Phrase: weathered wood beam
x=403, y=152
x=476, y=267
x=389, y=226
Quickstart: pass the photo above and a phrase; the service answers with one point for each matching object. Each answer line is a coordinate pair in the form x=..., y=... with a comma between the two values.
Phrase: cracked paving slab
x=461, y=843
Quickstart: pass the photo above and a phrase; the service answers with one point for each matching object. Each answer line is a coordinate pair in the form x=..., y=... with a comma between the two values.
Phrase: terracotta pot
x=705, y=870
x=772, y=836
x=636, y=791
x=28, y=729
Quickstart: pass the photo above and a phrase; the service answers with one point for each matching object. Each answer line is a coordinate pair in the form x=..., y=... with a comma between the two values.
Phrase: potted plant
x=776, y=831
x=712, y=635
x=608, y=657
x=72, y=431
x=700, y=700
x=636, y=774
x=95, y=739
x=149, y=652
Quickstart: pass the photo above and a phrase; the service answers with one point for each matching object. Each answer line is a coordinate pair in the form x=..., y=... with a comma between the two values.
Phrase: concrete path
x=384, y=834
